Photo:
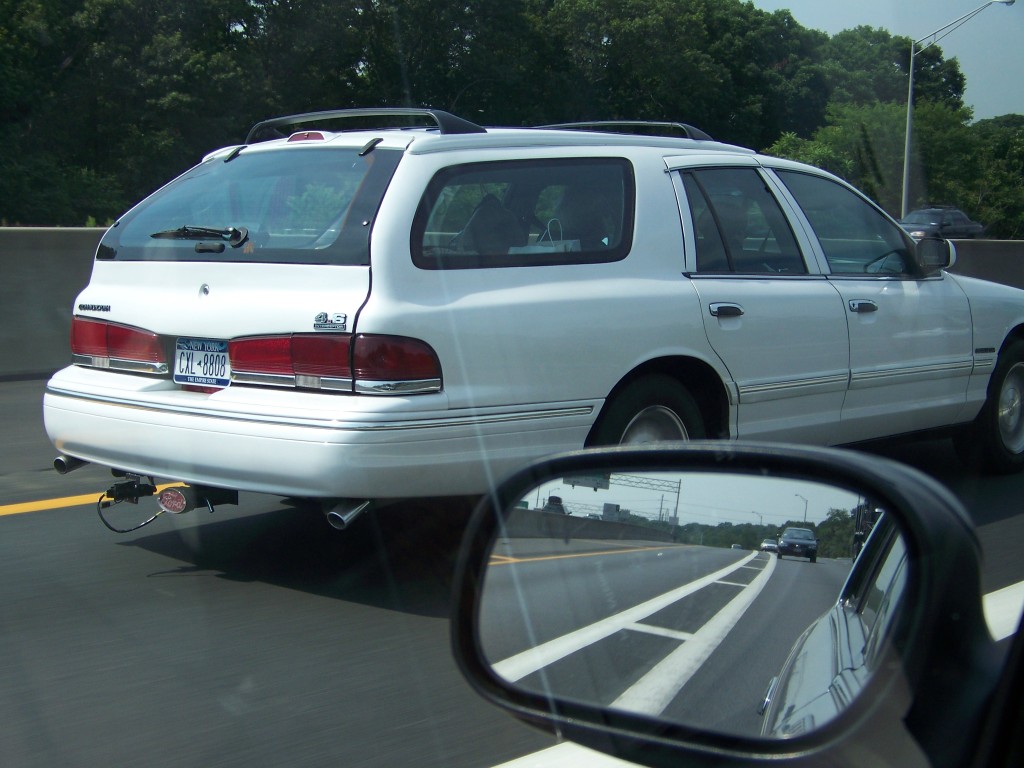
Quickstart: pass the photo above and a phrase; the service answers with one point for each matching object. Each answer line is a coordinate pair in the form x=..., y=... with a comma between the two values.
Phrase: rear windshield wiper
x=234, y=236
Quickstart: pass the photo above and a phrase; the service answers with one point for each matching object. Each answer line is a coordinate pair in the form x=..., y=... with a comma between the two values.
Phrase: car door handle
x=862, y=306
x=720, y=309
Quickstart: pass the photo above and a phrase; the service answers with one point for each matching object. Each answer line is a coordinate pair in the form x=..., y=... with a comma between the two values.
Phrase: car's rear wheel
x=650, y=410
x=995, y=441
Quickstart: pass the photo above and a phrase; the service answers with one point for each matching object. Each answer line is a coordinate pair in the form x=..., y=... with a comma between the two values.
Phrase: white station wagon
x=376, y=313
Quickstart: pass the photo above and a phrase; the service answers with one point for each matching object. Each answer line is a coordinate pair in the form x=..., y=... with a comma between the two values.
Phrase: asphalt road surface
x=259, y=636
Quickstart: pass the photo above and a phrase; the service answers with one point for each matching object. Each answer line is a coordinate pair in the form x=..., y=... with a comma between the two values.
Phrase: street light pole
x=805, y=505
x=932, y=39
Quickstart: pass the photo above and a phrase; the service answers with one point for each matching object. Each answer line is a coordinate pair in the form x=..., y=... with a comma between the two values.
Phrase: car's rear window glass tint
x=299, y=205
x=525, y=213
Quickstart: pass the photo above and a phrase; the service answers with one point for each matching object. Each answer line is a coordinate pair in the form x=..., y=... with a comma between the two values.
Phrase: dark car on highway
x=798, y=542
x=941, y=221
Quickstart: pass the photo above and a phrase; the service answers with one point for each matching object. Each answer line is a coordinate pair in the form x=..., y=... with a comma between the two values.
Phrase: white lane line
x=1003, y=610
x=532, y=659
x=653, y=692
x=567, y=755
x=650, y=629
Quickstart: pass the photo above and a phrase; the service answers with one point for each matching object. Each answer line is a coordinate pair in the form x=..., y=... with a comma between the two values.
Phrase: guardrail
x=44, y=269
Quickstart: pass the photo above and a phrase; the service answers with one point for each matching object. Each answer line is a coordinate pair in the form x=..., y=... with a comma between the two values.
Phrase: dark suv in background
x=941, y=221
x=798, y=542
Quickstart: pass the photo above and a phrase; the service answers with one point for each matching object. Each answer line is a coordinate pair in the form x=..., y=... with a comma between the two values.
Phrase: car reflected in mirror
x=647, y=614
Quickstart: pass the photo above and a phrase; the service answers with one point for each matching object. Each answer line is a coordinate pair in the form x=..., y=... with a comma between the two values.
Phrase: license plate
x=202, y=362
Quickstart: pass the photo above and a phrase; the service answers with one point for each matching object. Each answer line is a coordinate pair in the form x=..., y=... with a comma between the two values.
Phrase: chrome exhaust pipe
x=64, y=464
x=343, y=511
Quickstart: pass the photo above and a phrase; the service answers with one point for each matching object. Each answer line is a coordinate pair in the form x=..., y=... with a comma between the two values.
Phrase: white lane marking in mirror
x=529, y=661
x=567, y=755
x=650, y=629
x=1003, y=610
x=653, y=692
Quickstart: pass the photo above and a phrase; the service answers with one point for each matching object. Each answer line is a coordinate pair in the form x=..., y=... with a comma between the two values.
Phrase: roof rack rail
x=631, y=126
x=447, y=123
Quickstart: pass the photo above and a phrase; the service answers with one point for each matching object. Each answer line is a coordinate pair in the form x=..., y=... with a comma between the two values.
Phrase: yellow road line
x=61, y=503
x=507, y=560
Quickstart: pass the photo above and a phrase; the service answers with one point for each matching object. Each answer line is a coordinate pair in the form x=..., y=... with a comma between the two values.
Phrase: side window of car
x=883, y=597
x=525, y=213
x=738, y=225
x=877, y=583
x=855, y=236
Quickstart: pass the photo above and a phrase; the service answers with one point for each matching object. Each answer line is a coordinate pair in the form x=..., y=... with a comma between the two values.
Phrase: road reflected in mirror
x=737, y=603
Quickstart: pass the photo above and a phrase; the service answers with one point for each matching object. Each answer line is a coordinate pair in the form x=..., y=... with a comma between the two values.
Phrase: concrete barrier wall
x=44, y=269
x=1001, y=261
x=41, y=273
x=535, y=524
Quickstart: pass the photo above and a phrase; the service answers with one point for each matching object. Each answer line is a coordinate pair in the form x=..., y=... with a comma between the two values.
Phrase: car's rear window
x=297, y=205
x=525, y=213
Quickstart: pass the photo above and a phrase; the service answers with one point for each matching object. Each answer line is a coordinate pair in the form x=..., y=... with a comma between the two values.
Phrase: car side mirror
x=655, y=641
x=934, y=254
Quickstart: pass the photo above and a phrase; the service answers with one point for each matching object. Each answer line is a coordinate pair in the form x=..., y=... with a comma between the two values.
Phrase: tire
x=995, y=441
x=652, y=409
x=813, y=558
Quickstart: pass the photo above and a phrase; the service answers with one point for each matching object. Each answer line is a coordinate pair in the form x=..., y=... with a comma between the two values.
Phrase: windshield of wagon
x=922, y=217
x=295, y=205
x=798, y=533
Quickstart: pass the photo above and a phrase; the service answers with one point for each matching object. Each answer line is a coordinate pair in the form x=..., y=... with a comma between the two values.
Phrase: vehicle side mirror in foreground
x=645, y=634
x=934, y=253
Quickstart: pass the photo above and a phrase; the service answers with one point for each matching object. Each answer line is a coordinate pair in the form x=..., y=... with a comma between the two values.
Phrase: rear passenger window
x=525, y=213
x=738, y=225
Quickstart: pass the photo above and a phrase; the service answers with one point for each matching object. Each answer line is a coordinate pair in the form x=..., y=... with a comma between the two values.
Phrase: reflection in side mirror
x=934, y=253
x=628, y=622
x=637, y=599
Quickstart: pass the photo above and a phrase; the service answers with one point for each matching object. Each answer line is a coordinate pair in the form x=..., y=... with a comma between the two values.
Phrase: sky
x=708, y=499
x=989, y=47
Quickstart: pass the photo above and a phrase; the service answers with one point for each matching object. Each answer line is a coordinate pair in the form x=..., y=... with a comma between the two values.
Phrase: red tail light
x=317, y=361
x=108, y=345
x=393, y=360
x=322, y=355
x=366, y=364
x=264, y=355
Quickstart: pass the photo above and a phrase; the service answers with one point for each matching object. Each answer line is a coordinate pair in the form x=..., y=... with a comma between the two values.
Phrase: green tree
x=114, y=97
x=739, y=73
x=864, y=144
x=479, y=59
x=835, y=534
x=997, y=194
x=866, y=65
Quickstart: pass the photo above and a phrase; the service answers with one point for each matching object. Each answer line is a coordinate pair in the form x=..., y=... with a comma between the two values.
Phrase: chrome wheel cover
x=1010, y=410
x=656, y=424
